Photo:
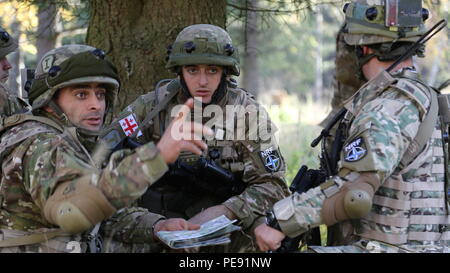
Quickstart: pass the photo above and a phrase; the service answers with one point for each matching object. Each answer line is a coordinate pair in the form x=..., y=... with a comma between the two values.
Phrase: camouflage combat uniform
x=258, y=163
x=347, y=79
x=9, y=103
x=409, y=207
x=46, y=155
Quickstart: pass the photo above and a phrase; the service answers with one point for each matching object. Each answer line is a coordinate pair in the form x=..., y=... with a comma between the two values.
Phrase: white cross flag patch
x=129, y=125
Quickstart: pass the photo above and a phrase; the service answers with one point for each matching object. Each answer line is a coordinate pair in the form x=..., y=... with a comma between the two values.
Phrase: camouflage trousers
x=369, y=246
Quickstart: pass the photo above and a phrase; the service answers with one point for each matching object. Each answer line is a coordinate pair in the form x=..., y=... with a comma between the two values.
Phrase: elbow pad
x=352, y=201
x=76, y=207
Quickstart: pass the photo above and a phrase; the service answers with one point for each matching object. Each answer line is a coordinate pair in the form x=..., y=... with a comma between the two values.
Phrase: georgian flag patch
x=355, y=150
x=129, y=125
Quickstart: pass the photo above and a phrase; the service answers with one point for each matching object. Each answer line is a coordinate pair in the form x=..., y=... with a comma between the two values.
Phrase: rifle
x=205, y=175
x=189, y=181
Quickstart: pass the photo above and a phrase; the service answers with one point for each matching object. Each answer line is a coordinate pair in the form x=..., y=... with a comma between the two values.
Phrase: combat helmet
x=7, y=43
x=203, y=44
x=68, y=65
x=381, y=24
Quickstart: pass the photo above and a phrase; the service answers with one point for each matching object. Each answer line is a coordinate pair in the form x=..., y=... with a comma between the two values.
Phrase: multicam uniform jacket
x=257, y=161
x=10, y=104
x=409, y=211
x=37, y=157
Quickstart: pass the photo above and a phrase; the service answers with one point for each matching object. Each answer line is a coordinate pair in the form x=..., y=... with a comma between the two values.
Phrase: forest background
x=287, y=50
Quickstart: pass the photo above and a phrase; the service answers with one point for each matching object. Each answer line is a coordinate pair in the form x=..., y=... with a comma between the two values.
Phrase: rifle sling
x=156, y=111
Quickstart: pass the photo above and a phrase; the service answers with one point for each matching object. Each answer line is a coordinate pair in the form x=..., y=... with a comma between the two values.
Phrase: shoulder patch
x=271, y=159
x=355, y=150
x=129, y=125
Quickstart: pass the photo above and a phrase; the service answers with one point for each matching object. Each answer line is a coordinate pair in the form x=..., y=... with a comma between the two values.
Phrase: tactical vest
x=178, y=198
x=44, y=239
x=410, y=207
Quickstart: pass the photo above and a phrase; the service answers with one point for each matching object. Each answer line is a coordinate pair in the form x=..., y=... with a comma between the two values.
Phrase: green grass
x=295, y=145
x=297, y=123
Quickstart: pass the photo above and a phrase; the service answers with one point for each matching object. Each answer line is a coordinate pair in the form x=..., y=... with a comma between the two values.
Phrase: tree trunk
x=318, y=83
x=251, y=77
x=135, y=34
x=15, y=60
x=46, y=33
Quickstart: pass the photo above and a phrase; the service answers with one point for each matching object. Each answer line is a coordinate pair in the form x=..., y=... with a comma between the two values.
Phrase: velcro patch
x=129, y=125
x=47, y=63
x=355, y=150
x=271, y=159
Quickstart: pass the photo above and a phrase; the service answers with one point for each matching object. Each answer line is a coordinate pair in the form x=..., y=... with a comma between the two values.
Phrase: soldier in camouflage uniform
x=52, y=189
x=204, y=59
x=389, y=194
x=9, y=103
x=347, y=80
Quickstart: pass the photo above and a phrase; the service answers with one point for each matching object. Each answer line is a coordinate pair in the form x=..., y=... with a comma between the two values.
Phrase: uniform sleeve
x=264, y=171
x=50, y=160
x=378, y=138
x=132, y=225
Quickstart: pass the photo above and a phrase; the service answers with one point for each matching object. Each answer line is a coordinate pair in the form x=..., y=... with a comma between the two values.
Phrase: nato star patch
x=355, y=150
x=270, y=159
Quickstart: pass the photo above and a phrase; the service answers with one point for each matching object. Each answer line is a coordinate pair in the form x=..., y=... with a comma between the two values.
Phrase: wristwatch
x=272, y=221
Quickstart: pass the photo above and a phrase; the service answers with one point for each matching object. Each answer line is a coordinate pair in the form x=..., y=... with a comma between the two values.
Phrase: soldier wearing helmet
x=388, y=192
x=204, y=59
x=53, y=188
x=9, y=103
x=346, y=79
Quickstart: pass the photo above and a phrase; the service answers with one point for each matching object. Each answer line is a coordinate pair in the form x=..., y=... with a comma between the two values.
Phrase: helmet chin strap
x=58, y=112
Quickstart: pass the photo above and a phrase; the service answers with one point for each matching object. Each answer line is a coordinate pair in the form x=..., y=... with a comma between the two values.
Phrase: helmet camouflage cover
x=68, y=65
x=379, y=21
x=203, y=44
x=7, y=43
